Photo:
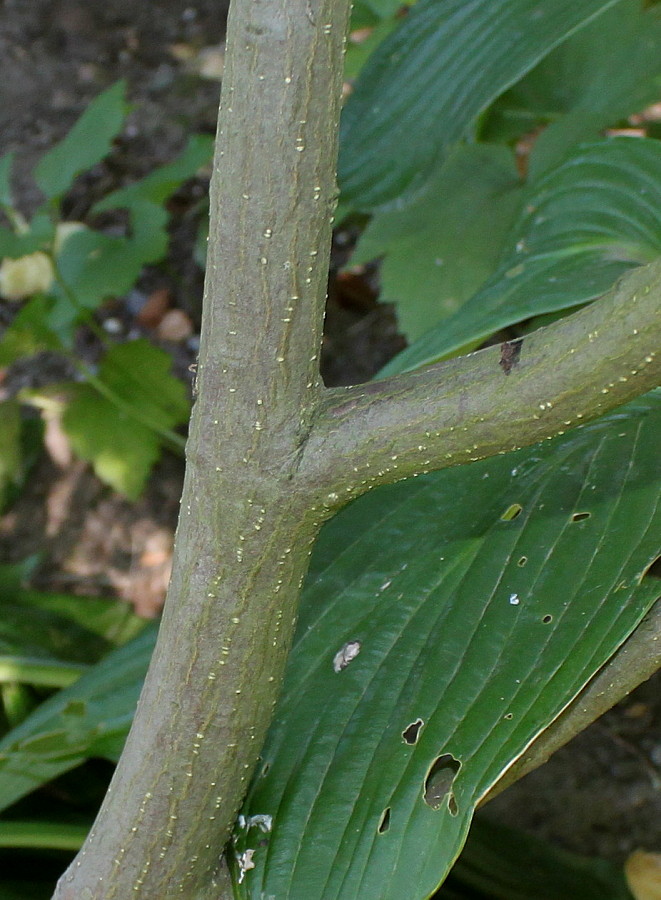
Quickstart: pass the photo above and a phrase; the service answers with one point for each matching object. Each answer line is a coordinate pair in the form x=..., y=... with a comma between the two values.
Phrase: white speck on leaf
x=514, y=599
x=344, y=656
x=245, y=862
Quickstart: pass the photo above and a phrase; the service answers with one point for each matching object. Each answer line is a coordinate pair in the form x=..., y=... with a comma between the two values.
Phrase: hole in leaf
x=578, y=517
x=265, y=770
x=452, y=805
x=522, y=561
x=547, y=619
x=384, y=824
x=508, y=716
x=511, y=512
x=653, y=570
x=412, y=731
x=438, y=783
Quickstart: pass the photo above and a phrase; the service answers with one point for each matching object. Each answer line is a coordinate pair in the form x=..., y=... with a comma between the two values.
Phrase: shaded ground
x=599, y=795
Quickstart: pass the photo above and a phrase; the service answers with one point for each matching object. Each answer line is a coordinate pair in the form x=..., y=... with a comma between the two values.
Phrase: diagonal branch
x=492, y=401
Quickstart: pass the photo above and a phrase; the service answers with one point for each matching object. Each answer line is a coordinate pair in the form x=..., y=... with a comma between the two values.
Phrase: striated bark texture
x=272, y=453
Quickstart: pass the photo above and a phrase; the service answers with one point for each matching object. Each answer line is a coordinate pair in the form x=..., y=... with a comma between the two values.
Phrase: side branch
x=492, y=401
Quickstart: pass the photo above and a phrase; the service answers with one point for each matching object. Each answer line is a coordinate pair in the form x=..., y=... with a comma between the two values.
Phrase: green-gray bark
x=272, y=453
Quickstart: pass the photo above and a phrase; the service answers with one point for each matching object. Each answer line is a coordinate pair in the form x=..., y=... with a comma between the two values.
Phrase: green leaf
x=120, y=432
x=427, y=82
x=11, y=466
x=596, y=78
x=490, y=868
x=581, y=227
x=156, y=187
x=121, y=450
x=607, y=71
x=95, y=266
x=87, y=143
x=90, y=718
x=446, y=621
x=440, y=247
x=51, y=835
x=38, y=237
x=29, y=332
x=6, y=165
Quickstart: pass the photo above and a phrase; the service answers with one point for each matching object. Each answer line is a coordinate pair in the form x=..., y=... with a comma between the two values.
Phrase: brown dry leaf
x=643, y=873
x=155, y=307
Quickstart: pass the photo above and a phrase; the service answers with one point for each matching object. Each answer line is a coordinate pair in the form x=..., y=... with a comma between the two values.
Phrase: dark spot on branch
x=412, y=731
x=439, y=780
x=510, y=352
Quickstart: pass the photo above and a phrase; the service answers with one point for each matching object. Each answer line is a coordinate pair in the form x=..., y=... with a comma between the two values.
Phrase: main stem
x=244, y=532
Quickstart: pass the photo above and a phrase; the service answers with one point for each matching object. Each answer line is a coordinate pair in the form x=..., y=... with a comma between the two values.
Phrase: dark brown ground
x=600, y=795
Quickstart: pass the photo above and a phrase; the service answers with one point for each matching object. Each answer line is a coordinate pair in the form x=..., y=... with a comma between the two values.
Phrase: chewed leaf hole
x=547, y=619
x=522, y=561
x=578, y=517
x=384, y=824
x=412, y=731
x=653, y=570
x=439, y=780
x=511, y=512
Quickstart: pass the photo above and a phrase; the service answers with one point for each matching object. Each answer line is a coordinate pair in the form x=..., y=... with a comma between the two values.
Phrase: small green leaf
x=440, y=247
x=582, y=225
x=29, y=332
x=87, y=143
x=156, y=187
x=121, y=450
x=120, y=432
x=424, y=86
x=470, y=629
x=95, y=266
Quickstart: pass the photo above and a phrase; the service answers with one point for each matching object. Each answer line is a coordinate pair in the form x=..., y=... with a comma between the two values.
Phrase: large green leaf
x=446, y=622
x=426, y=83
x=597, y=77
x=441, y=247
x=609, y=70
x=90, y=718
x=582, y=225
x=86, y=144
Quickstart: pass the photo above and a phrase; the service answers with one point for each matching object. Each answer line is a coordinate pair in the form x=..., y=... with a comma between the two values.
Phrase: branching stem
x=271, y=453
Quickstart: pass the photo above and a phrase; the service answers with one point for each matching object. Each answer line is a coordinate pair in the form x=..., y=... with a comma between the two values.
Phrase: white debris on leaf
x=245, y=862
x=344, y=656
x=514, y=599
x=260, y=820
